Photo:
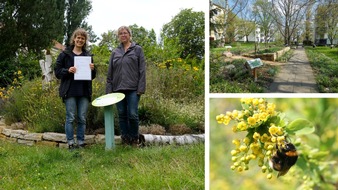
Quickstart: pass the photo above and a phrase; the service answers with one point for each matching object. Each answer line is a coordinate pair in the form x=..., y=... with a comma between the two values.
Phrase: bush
x=239, y=79
x=173, y=96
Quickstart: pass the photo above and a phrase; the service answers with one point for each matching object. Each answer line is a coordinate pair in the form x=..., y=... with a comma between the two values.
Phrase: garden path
x=295, y=76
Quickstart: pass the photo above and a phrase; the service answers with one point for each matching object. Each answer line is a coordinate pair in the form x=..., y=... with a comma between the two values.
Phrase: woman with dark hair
x=127, y=75
x=76, y=94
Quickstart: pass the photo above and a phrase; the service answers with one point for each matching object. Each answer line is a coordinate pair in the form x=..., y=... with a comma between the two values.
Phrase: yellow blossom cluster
x=17, y=81
x=255, y=113
x=176, y=63
x=257, y=119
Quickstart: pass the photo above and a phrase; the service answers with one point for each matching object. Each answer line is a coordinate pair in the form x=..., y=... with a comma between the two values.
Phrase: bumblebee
x=284, y=158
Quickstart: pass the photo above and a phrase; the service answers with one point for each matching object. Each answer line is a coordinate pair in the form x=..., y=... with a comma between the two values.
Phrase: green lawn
x=156, y=167
x=332, y=53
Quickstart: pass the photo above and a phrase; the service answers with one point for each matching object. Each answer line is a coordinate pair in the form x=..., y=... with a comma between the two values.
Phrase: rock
x=18, y=133
x=25, y=142
x=227, y=54
x=33, y=136
x=230, y=67
x=58, y=137
x=89, y=139
x=100, y=139
x=2, y=128
x=7, y=132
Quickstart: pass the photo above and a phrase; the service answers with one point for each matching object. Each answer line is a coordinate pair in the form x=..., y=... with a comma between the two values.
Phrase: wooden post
x=255, y=74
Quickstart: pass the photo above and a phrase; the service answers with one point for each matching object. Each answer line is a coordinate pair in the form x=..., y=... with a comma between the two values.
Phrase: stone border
x=21, y=136
x=269, y=56
x=48, y=138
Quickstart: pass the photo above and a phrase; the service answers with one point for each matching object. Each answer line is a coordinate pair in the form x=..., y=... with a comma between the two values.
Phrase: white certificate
x=83, y=71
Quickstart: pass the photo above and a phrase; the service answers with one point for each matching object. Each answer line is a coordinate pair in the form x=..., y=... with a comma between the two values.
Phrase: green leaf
x=300, y=127
x=319, y=155
x=312, y=140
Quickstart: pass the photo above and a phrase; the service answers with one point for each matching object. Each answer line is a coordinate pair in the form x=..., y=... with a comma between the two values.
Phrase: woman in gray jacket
x=127, y=75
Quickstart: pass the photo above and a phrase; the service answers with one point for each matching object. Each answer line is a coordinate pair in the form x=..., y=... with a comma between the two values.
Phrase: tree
x=308, y=25
x=327, y=19
x=263, y=18
x=28, y=27
x=246, y=24
x=226, y=12
x=76, y=12
x=29, y=24
x=231, y=29
x=109, y=39
x=288, y=15
x=186, y=29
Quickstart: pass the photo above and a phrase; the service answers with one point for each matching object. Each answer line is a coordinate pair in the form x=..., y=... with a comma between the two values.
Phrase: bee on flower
x=257, y=118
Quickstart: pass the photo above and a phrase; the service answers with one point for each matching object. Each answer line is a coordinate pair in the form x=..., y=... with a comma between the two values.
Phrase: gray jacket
x=127, y=70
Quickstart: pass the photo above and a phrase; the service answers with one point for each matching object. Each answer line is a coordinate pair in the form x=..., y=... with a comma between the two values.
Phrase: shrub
x=173, y=96
x=238, y=79
x=325, y=70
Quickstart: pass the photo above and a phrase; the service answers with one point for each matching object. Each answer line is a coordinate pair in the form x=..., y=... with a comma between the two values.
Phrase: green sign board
x=254, y=63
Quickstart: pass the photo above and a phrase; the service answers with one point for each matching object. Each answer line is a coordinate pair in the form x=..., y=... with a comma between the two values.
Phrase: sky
x=151, y=14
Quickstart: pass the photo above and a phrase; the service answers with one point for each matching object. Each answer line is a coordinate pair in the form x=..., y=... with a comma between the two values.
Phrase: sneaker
x=71, y=147
x=125, y=141
x=82, y=146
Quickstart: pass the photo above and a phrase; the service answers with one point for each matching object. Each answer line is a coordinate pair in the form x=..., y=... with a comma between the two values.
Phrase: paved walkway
x=295, y=76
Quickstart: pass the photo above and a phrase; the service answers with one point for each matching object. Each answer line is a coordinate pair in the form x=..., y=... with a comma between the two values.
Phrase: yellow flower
x=271, y=108
x=255, y=102
x=226, y=120
x=234, y=152
x=262, y=107
x=264, y=138
x=195, y=68
x=235, y=113
x=243, y=148
x=19, y=72
x=269, y=176
x=279, y=131
x=273, y=130
x=246, y=140
x=256, y=136
x=280, y=139
x=261, y=101
x=246, y=100
x=220, y=118
x=252, y=121
x=242, y=126
x=236, y=142
x=263, y=116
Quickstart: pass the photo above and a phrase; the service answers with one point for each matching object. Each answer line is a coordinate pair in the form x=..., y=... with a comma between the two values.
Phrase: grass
x=157, y=167
x=327, y=51
x=324, y=63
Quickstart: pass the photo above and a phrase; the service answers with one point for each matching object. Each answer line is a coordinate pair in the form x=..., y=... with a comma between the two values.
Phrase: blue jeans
x=128, y=115
x=73, y=104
